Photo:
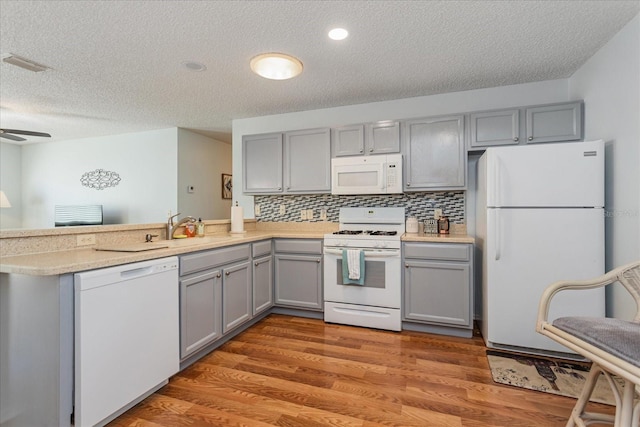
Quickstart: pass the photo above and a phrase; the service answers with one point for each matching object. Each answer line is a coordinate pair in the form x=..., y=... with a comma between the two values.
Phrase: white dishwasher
x=126, y=336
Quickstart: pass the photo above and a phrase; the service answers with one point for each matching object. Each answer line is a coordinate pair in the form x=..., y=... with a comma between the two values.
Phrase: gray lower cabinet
x=437, y=284
x=236, y=295
x=298, y=273
x=200, y=308
x=262, y=284
x=435, y=155
x=215, y=295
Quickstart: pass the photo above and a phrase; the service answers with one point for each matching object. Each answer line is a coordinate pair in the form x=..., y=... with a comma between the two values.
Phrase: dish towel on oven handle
x=353, y=266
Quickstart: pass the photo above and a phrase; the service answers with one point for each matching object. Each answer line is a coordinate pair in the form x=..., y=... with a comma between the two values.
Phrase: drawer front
x=261, y=248
x=299, y=246
x=203, y=260
x=438, y=251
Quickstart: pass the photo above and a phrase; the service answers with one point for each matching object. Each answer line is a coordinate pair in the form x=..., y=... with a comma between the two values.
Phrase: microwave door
x=358, y=179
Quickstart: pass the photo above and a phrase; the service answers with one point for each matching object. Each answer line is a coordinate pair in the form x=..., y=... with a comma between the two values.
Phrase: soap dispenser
x=200, y=228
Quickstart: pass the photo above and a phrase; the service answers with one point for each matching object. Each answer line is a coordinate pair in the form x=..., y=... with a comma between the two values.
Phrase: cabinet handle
x=530, y=138
x=318, y=261
x=219, y=275
x=362, y=151
x=255, y=263
x=279, y=188
x=406, y=266
x=226, y=273
x=516, y=139
x=371, y=150
x=408, y=184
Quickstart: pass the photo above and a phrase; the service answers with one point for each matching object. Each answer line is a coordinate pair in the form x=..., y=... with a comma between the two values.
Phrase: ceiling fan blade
x=25, y=132
x=12, y=137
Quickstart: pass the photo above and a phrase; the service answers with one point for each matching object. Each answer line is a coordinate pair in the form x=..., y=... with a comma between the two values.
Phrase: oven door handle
x=367, y=254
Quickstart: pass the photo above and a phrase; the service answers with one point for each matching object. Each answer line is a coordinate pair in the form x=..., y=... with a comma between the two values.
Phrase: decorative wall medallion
x=100, y=179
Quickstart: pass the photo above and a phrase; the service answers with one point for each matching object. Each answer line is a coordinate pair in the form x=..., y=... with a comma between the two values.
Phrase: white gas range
x=375, y=301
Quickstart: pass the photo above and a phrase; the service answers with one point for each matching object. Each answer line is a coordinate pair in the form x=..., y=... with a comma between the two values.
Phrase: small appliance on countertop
x=412, y=225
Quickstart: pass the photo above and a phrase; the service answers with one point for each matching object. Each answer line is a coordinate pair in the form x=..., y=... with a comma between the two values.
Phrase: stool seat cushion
x=618, y=337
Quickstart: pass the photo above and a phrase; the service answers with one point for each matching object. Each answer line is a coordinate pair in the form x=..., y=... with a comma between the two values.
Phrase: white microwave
x=377, y=174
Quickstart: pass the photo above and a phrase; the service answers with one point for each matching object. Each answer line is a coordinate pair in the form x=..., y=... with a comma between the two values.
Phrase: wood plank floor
x=291, y=371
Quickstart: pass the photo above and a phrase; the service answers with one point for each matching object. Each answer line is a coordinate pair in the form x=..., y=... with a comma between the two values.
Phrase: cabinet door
x=298, y=281
x=552, y=123
x=437, y=292
x=383, y=137
x=308, y=161
x=200, y=311
x=262, y=284
x=348, y=141
x=236, y=295
x=262, y=163
x=492, y=128
x=434, y=153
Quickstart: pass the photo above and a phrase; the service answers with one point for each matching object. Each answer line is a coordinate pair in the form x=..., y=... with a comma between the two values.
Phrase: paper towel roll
x=237, y=219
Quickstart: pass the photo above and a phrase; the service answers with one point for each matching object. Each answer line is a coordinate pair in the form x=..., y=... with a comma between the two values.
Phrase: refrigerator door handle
x=496, y=183
x=497, y=233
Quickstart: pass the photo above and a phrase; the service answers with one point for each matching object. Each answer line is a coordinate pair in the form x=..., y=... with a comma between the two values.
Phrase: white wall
x=609, y=82
x=11, y=184
x=423, y=106
x=145, y=161
x=201, y=163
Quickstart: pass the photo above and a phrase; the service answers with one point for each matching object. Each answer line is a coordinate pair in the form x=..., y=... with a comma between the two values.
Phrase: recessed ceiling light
x=338, y=34
x=276, y=66
x=194, y=66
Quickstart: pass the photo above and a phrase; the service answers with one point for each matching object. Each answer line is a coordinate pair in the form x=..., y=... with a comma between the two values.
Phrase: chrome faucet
x=171, y=228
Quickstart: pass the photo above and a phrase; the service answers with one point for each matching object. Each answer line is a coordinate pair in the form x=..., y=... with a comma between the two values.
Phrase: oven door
x=382, y=277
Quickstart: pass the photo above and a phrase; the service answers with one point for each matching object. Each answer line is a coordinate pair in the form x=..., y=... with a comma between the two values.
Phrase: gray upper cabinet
x=383, y=137
x=490, y=128
x=308, y=161
x=348, y=140
x=295, y=162
x=373, y=138
x=552, y=123
x=435, y=156
x=262, y=163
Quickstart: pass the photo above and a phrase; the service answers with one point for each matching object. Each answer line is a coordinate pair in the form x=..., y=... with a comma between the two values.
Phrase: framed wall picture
x=227, y=186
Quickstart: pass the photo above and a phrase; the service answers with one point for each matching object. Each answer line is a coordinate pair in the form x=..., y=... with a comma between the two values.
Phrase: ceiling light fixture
x=338, y=34
x=25, y=63
x=276, y=66
x=194, y=66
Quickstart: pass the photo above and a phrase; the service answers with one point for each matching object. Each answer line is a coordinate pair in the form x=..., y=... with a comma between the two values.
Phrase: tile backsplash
x=420, y=205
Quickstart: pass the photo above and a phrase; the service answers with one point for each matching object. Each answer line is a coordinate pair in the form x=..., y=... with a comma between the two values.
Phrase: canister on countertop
x=430, y=226
x=443, y=225
x=412, y=225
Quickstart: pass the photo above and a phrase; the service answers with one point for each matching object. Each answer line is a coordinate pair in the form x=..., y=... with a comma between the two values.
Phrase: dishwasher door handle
x=136, y=272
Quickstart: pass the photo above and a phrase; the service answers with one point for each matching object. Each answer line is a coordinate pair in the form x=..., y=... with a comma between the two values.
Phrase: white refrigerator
x=539, y=219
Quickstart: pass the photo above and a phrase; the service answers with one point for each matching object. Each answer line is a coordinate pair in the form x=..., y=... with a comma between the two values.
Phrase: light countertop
x=76, y=260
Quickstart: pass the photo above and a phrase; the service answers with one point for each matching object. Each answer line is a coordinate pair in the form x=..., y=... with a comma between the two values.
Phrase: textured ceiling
x=116, y=65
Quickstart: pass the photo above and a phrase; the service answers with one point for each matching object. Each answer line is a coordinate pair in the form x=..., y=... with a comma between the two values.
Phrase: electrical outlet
x=303, y=214
x=85, y=239
x=256, y=209
x=309, y=213
x=437, y=213
x=323, y=214
x=283, y=209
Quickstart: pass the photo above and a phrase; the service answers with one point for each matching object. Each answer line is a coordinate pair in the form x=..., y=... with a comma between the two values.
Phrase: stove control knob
x=383, y=244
